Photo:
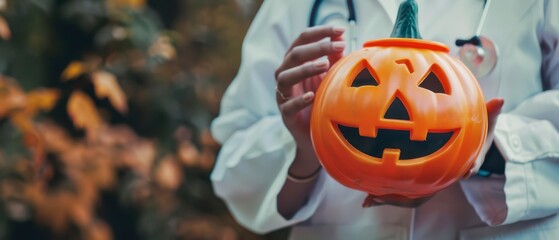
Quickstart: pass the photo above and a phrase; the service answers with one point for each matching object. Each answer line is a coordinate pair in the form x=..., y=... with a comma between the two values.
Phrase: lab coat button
x=515, y=142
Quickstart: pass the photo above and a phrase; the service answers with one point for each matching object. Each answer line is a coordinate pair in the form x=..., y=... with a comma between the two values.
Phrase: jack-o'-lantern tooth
x=390, y=156
x=374, y=132
x=419, y=134
x=368, y=131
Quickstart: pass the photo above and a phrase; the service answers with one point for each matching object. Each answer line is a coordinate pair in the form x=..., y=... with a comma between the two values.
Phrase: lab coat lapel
x=391, y=9
x=503, y=17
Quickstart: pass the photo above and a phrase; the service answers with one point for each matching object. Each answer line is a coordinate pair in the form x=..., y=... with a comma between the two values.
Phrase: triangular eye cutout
x=364, y=78
x=397, y=110
x=433, y=83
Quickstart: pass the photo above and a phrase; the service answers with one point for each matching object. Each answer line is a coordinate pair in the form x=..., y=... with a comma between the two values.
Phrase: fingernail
x=308, y=96
x=338, y=46
x=501, y=102
x=320, y=64
x=338, y=30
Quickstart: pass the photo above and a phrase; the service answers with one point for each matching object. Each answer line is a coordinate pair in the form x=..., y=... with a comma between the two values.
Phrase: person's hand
x=394, y=200
x=299, y=76
x=493, y=110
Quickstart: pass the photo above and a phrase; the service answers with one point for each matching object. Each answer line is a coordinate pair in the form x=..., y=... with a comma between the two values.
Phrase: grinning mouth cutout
x=395, y=139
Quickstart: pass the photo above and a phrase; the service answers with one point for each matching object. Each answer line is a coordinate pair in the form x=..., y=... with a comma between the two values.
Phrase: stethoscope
x=478, y=53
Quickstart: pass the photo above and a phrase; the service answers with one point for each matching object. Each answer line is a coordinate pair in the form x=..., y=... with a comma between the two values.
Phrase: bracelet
x=306, y=179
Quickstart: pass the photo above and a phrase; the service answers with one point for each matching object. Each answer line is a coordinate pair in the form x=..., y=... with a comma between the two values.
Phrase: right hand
x=297, y=79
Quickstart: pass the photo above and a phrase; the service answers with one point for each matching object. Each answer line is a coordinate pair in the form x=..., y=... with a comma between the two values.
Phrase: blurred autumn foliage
x=105, y=107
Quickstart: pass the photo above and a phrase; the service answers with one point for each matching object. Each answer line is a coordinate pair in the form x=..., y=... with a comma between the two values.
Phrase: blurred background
x=105, y=108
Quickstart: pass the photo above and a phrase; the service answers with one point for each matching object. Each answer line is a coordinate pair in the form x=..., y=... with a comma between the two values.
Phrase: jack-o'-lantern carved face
x=400, y=116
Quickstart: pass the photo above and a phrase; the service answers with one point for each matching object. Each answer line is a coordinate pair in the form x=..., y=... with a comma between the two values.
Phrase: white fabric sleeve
x=528, y=139
x=250, y=172
x=257, y=150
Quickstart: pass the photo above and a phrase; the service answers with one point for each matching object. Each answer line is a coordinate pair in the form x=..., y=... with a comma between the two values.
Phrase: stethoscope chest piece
x=479, y=54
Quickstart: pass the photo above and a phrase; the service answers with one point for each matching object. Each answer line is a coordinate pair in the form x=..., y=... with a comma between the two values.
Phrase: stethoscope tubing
x=316, y=5
x=476, y=40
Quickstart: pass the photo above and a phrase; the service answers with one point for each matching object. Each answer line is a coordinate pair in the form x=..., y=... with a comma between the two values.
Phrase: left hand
x=493, y=110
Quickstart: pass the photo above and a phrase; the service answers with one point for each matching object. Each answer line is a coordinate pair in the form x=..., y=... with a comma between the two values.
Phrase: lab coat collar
x=391, y=8
x=495, y=20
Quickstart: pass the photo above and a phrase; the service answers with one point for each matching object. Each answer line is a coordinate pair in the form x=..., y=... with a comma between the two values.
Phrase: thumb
x=493, y=110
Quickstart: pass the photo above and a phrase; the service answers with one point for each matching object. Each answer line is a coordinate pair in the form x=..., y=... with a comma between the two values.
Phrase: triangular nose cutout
x=397, y=110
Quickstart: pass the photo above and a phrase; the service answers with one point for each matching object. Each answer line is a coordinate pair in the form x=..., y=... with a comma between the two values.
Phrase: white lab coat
x=258, y=149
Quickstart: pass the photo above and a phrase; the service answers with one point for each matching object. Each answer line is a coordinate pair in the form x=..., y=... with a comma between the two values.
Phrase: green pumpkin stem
x=406, y=22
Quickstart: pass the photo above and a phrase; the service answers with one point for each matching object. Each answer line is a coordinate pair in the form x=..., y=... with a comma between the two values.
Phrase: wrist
x=305, y=163
x=304, y=179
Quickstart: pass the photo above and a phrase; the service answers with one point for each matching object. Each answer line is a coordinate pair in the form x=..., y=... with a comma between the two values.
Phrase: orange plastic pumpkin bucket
x=399, y=117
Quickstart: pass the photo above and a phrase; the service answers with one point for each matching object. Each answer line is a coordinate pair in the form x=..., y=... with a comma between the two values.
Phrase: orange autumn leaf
x=56, y=139
x=21, y=109
x=107, y=86
x=139, y=156
x=24, y=124
x=98, y=169
x=119, y=135
x=75, y=156
x=81, y=215
x=187, y=154
x=163, y=47
x=42, y=99
x=168, y=173
x=83, y=112
x=11, y=96
x=98, y=231
x=52, y=210
x=103, y=174
x=134, y=4
x=73, y=70
x=206, y=160
x=205, y=227
x=31, y=137
x=5, y=32
x=207, y=139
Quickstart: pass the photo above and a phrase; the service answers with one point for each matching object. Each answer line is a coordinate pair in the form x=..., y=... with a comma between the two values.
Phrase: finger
x=370, y=201
x=311, y=51
x=292, y=76
x=395, y=200
x=312, y=35
x=333, y=58
x=315, y=34
x=295, y=105
x=493, y=110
